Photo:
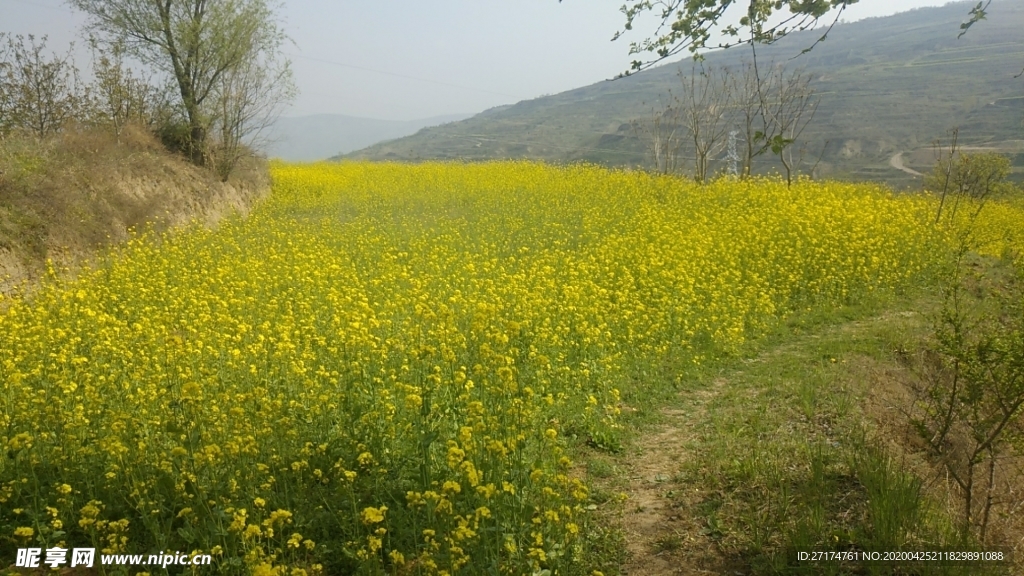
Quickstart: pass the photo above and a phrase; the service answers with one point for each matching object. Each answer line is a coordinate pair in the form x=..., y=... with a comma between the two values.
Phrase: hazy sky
x=408, y=59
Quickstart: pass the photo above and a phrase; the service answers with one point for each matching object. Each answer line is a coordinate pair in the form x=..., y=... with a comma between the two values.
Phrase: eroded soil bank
x=68, y=198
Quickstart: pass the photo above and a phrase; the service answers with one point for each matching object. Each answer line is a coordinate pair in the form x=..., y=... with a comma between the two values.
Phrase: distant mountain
x=317, y=137
x=888, y=86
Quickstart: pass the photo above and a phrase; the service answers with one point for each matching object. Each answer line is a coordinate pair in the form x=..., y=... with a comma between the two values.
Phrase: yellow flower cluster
x=377, y=371
x=994, y=228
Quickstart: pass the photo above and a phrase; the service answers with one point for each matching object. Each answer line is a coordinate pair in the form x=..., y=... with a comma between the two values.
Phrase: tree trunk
x=197, y=144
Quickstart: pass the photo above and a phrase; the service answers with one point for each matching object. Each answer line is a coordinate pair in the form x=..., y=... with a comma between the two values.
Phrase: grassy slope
x=67, y=197
x=798, y=443
x=887, y=84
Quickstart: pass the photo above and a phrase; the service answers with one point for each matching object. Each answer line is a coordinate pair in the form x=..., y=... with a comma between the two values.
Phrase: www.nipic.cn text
x=86, y=558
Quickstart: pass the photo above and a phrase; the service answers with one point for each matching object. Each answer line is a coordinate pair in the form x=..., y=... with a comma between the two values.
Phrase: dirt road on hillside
x=897, y=162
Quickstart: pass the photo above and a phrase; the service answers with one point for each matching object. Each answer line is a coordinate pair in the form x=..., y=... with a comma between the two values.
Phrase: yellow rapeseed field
x=379, y=370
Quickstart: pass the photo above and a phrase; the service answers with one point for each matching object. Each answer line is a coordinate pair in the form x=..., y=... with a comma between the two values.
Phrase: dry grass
x=67, y=197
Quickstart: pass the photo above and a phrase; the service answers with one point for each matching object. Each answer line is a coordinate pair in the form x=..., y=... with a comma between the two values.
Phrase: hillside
x=66, y=198
x=887, y=85
x=319, y=136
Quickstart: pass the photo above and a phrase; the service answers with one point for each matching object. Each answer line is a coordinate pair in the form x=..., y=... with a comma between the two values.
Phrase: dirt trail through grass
x=779, y=450
x=670, y=518
x=662, y=536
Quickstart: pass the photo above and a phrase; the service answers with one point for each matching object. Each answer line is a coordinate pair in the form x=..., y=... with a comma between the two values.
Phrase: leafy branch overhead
x=696, y=25
x=977, y=14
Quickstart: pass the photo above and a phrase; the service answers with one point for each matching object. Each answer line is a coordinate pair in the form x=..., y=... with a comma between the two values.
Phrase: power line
x=563, y=148
x=478, y=138
x=396, y=75
x=39, y=5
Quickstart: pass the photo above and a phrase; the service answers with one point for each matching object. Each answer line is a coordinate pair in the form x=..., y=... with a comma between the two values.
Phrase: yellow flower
x=278, y=516
x=374, y=515
x=238, y=522
x=265, y=569
x=455, y=456
x=414, y=401
x=373, y=544
x=487, y=491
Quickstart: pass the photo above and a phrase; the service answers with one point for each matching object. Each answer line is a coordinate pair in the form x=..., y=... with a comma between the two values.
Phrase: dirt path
x=649, y=517
x=663, y=535
x=897, y=162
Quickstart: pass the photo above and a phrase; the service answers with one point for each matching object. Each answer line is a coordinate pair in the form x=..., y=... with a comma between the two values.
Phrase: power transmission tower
x=733, y=155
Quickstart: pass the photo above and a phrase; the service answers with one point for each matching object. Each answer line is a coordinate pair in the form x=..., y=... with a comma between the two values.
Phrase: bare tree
x=249, y=98
x=39, y=94
x=195, y=42
x=120, y=97
x=941, y=177
x=974, y=176
x=6, y=93
x=704, y=107
x=773, y=111
x=746, y=90
x=968, y=406
x=788, y=105
x=662, y=134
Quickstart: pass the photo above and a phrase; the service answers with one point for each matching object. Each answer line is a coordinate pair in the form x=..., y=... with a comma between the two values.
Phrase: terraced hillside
x=887, y=85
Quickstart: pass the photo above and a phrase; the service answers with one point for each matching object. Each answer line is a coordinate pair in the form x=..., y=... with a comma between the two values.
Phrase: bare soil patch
x=68, y=197
x=663, y=534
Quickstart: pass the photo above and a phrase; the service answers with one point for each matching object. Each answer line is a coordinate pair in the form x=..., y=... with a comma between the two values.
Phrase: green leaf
x=977, y=14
